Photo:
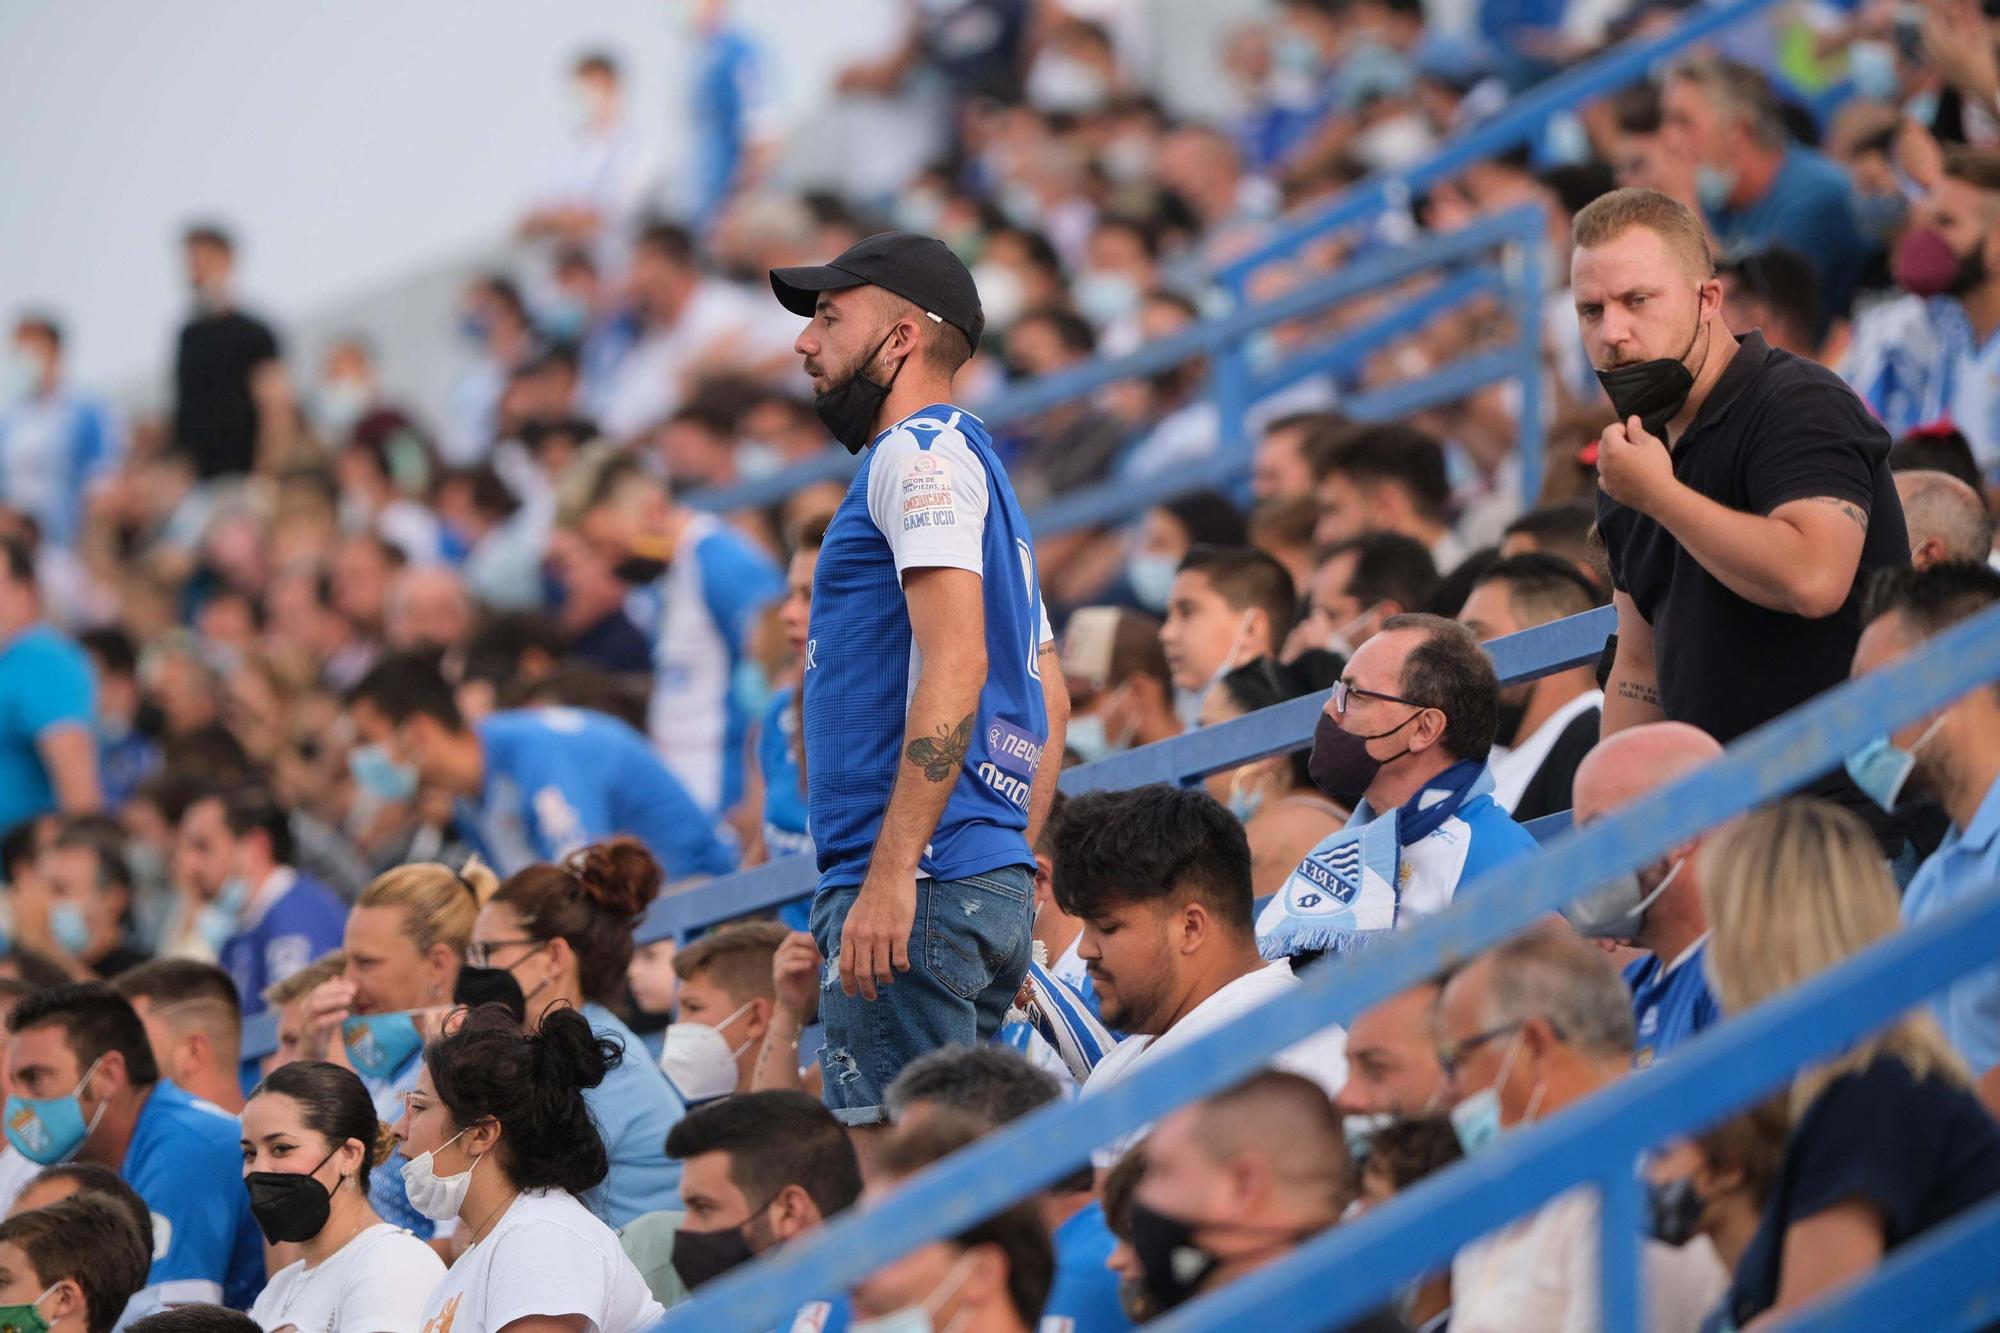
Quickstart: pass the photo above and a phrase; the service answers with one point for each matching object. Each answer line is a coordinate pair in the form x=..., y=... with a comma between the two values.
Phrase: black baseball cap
x=920, y=269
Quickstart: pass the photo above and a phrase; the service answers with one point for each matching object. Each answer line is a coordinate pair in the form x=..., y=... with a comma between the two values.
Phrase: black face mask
x=1340, y=764
x=1172, y=1266
x=1674, y=1211
x=702, y=1256
x=639, y=570
x=1653, y=391
x=490, y=985
x=1511, y=716
x=289, y=1206
x=850, y=409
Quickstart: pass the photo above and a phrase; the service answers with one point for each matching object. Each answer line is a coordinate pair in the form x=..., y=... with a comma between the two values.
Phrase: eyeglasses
x=1451, y=1058
x=481, y=955
x=1342, y=692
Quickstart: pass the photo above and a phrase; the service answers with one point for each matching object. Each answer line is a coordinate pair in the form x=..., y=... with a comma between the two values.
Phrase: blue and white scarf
x=1350, y=887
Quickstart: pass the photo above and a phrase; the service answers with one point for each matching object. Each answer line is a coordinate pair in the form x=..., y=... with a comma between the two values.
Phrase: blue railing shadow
x=1775, y=759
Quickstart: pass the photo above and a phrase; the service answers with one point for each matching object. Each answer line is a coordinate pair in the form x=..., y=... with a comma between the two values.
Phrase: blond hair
x=1609, y=216
x=1791, y=891
x=322, y=969
x=438, y=903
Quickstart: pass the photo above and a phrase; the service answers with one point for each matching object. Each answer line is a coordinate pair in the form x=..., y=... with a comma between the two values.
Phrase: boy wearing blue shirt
x=931, y=691
x=531, y=784
x=704, y=585
x=85, y=1086
x=48, y=703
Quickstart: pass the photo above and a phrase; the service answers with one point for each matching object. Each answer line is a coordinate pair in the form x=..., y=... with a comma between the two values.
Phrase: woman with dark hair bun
x=499, y=1137
x=310, y=1138
x=560, y=938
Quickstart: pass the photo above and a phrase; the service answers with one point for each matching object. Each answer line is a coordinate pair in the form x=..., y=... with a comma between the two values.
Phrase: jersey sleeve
x=661, y=814
x=927, y=494
x=63, y=693
x=737, y=582
x=194, y=1224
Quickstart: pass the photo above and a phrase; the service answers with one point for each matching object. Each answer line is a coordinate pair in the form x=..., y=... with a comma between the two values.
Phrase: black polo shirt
x=1775, y=428
x=215, y=417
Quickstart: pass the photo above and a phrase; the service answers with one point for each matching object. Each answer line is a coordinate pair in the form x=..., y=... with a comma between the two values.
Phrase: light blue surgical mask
x=1871, y=68
x=1091, y=739
x=1244, y=803
x=47, y=1130
x=376, y=773
x=1881, y=769
x=71, y=930
x=380, y=1044
x=1105, y=298
x=218, y=920
x=1713, y=185
x=1476, y=1119
x=1152, y=579
x=1360, y=1130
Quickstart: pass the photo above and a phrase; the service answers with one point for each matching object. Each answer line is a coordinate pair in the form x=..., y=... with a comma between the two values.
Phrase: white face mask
x=437, y=1197
x=921, y=1318
x=699, y=1061
x=1187, y=703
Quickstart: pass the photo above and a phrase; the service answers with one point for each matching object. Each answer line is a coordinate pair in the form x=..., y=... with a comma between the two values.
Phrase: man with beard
x=1161, y=879
x=1931, y=356
x=1744, y=492
x=932, y=688
x=1546, y=725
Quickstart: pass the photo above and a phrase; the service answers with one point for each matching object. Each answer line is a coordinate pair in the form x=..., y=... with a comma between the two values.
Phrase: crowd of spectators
x=396, y=724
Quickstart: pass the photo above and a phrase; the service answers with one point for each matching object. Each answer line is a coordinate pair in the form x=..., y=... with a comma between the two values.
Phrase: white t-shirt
x=376, y=1283
x=1541, y=1273
x=548, y=1255
x=1321, y=1057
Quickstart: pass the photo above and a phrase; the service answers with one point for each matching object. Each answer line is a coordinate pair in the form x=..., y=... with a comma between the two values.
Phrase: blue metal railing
x=1235, y=384
x=1524, y=118
x=1188, y=758
x=1774, y=760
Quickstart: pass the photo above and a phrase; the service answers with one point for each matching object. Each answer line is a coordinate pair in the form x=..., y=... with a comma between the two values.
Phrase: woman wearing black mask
x=560, y=937
x=310, y=1137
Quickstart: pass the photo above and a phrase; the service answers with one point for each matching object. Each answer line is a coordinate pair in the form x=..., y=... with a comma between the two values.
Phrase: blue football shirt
x=560, y=778
x=45, y=682
x=186, y=1162
x=1669, y=1004
x=930, y=494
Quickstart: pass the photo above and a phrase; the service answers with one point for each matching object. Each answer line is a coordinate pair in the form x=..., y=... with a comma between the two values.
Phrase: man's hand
x=1633, y=466
x=875, y=941
x=795, y=974
x=330, y=1004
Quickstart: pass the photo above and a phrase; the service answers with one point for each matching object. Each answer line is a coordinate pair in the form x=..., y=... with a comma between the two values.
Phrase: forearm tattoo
x=1638, y=693
x=939, y=756
x=1852, y=511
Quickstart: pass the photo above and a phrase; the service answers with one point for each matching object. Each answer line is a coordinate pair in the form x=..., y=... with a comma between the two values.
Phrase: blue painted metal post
x=1621, y=1280
x=1525, y=262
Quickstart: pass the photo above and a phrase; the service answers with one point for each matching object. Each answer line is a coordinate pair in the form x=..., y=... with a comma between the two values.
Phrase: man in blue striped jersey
x=931, y=686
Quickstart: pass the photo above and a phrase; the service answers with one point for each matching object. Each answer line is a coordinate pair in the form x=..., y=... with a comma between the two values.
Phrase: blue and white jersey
x=560, y=778
x=930, y=494
x=1670, y=1004
x=1071, y=971
x=186, y=1162
x=709, y=600
x=290, y=920
x=51, y=448
x=785, y=832
x=1916, y=361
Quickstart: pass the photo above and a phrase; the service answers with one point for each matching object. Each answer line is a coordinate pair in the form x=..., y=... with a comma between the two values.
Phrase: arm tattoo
x=939, y=756
x=1645, y=694
x=1860, y=519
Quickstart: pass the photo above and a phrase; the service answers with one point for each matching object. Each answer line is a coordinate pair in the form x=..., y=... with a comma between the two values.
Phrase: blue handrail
x=1187, y=758
x=1524, y=118
x=1222, y=340
x=1771, y=761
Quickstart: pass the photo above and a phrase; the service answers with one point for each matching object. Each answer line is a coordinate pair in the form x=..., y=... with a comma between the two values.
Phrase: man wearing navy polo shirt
x=932, y=691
